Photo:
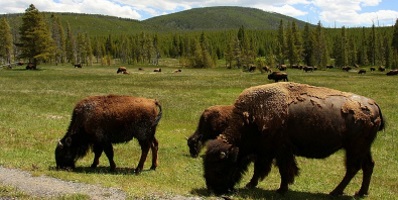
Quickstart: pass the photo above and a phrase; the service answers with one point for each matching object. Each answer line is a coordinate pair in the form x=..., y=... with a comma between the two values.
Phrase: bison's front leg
x=98, y=149
x=145, y=145
x=109, y=153
x=262, y=167
x=154, y=149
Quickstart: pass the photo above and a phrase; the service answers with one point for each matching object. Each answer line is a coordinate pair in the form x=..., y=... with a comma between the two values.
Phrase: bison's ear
x=68, y=141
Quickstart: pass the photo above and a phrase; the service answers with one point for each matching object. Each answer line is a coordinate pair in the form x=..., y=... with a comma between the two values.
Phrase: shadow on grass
x=102, y=170
x=258, y=193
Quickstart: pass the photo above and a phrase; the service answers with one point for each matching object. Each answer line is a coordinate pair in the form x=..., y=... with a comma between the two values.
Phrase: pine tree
x=294, y=45
x=6, y=42
x=321, y=55
x=341, y=49
x=281, y=45
x=395, y=46
x=308, y=46
x=362, y=56
x=70, y=45
x=58, y=36
x=36, y=43
x=372, y=46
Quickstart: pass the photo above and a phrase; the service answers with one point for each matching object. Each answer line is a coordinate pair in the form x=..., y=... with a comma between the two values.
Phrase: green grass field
x=36, y=106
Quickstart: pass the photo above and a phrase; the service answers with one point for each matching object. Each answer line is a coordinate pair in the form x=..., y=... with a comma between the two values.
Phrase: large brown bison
x=212, y=123
x=282, y=120
x=277, y=76
x=100, y=121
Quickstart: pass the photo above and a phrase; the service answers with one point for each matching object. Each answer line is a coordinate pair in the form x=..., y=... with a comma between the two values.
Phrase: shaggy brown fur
x=100, y=121
x=283, y=120
x=212, y=123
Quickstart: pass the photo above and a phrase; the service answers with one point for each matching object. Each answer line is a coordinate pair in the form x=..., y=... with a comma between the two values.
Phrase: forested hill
x=210, y=18
x=223, y=17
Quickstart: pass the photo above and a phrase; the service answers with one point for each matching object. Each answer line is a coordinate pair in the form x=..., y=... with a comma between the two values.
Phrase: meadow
x=36, y=107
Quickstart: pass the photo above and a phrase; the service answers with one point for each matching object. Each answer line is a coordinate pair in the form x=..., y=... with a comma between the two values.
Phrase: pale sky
x=331, y=13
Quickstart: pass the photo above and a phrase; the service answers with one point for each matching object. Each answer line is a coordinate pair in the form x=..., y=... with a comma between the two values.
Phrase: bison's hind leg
x=367, y=168
x=97, y=149
x=154, y=149
x=145, y=146
x=353, y=165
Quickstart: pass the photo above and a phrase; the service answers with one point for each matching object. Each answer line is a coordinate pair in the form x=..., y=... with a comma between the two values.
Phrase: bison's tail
x=159, y=116
x=383, y=123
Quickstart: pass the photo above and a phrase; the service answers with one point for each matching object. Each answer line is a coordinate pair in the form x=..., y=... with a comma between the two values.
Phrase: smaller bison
x=157, y=70
x=308, y=68
x=392, y=72
x=212, y=123
x=346, y=68
x=252, y=68
x=277, y=76
x=31, y=66
x=78, y=65
x=100, y=121
x=122, y=70
x=362, y=71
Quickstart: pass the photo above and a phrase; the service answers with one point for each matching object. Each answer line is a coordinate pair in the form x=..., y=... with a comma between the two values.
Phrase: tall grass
x=36, y=106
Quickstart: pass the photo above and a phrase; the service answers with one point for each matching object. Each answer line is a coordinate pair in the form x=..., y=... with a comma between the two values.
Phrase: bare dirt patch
x=46, y=187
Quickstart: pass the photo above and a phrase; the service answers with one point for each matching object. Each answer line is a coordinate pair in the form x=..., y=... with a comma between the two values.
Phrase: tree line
x=42, y=41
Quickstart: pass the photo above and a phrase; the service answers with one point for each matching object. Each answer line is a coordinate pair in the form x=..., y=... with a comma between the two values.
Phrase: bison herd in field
x=267, y=124
x=281, y=75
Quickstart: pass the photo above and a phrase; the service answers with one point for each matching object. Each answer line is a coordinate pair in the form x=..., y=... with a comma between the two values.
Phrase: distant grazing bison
x=252, y=68
x=212, y=123
x=100, y=121
x=78, y=65
x=31, y=66
x=282, y=120
x=122, y=70
x=346, y=68
x=266, y=69
x=277, y=76
x=157, y=70
x=392, y=72
x=308, y=68
x=362, y=71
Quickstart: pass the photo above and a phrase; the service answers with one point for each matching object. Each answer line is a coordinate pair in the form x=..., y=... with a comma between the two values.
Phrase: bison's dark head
x=195, y=144
x=221, y=169
x=65, y=154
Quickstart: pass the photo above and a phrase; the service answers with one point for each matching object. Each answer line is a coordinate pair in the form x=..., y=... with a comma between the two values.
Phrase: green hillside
x=210, y=18
x=223, y=17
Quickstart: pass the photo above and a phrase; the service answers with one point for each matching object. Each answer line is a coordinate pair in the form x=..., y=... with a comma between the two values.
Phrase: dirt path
x=43, y=186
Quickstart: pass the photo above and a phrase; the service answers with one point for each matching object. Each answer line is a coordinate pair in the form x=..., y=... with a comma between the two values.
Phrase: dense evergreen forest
x=256, y=38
